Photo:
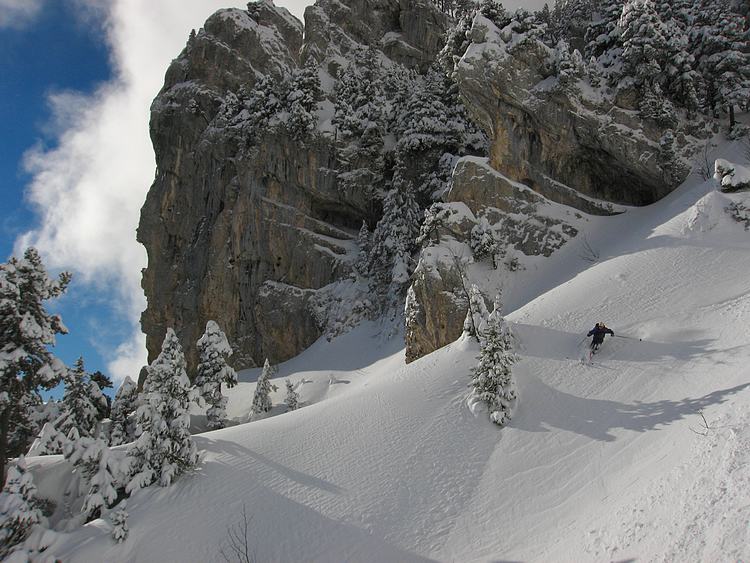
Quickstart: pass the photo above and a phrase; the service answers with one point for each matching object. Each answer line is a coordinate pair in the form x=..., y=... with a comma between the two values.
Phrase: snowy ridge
x=607, y=461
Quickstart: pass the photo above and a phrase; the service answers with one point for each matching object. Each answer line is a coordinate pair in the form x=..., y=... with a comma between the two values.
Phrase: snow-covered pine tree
x=654, y=105
x=364, y=242
x=484, y=242
x=644, y=40
x=668, y=156
x=570, y=66
x=395, y=236
x=26, y=362
x=435, y=218
x=492, y=380
x=360, y=120
x=122, y=426
x=292, y=397
x=262, y=398
x=18, y=513
x=101, y=469
x=119, y=520
x=602, y=37
x=302, y=100
x=213, y=370
x=49, y=442
x=80, y=407
x=476, y=314
x=164, y=448
x=730, y=64
x=102, y=401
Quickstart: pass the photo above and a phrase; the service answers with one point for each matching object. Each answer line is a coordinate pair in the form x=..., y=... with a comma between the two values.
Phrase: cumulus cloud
x=19, y=13
x=89, y=188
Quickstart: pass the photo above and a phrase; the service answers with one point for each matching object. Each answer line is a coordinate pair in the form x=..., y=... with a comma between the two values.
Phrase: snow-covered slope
x=602, y=462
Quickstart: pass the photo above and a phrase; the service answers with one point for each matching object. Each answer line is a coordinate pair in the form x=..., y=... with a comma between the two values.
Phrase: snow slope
x=602, y=462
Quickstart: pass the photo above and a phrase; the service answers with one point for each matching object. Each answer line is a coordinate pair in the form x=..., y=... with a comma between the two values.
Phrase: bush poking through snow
x=732, y=177
x=492, y=380
x=237, y=545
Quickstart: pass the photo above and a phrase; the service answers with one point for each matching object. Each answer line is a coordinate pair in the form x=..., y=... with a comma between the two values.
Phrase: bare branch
x=237, y=545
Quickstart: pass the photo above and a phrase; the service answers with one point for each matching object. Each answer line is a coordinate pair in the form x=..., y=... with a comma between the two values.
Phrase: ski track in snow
x=601, y=462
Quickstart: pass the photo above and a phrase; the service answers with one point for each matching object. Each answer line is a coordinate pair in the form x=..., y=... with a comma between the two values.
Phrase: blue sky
x=60, y=51
x=77, y=78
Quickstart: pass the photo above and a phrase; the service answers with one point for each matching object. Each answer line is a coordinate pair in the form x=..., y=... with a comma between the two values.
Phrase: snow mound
x=732, y=176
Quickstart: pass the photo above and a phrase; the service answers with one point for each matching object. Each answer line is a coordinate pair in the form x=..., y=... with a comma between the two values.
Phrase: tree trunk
x=732, y=120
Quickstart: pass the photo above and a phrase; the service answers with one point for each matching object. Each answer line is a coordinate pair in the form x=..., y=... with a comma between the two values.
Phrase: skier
x=598, y=333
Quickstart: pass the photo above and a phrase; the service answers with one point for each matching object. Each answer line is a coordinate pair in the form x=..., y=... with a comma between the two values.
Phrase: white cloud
x=19, y=13
x=89, y=189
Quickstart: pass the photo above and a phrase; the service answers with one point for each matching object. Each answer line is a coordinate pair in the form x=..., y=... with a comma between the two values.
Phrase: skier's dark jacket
x=598, y=333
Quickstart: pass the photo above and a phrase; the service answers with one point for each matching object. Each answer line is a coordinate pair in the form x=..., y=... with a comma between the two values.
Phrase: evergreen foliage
x=484, y=243
x=81, y=400
x=163, y=448
x=262, y=398
x=18, y=513
x=27, y=331
x=476, y=314
x=492, y=380
x=213, y=370
x=292, y=397
x=119, y=520
x=122, y=428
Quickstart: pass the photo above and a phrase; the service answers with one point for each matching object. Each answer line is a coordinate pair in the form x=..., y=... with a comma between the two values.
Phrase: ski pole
x=628, y=337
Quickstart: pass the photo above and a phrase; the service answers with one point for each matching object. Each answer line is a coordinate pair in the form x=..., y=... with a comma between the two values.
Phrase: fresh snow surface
x=605, y=461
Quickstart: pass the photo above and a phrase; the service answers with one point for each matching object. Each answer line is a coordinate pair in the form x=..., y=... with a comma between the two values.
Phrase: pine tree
x=492, y=380
x=119, y=520
x=18, y=514
x=213, y=370
x=364, y=242
x=101, y=469
x=668, y=156
x=79, y=405
x=395, y=236
x=484, y=242
x=26, y=363
x=292, y=397
x=654, y=105
x=436, y=217
x=103, y=402
x=262, y=398
x=49, y=442
x=302, y=100
x=476, y=315
x=122, y=428
x=359, y=117
x=719, y=44
x=644, y=38
x=164, y=448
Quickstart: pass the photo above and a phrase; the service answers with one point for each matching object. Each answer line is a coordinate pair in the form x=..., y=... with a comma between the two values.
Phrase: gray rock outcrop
x=249, y=233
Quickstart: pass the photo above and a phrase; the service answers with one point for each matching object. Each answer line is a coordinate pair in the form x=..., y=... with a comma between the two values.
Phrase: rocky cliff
x=253, y=224
x=247, y=227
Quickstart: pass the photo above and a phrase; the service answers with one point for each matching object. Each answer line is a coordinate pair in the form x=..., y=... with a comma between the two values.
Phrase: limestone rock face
x=551, y=140
x=526, y=223
x=252, y=233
